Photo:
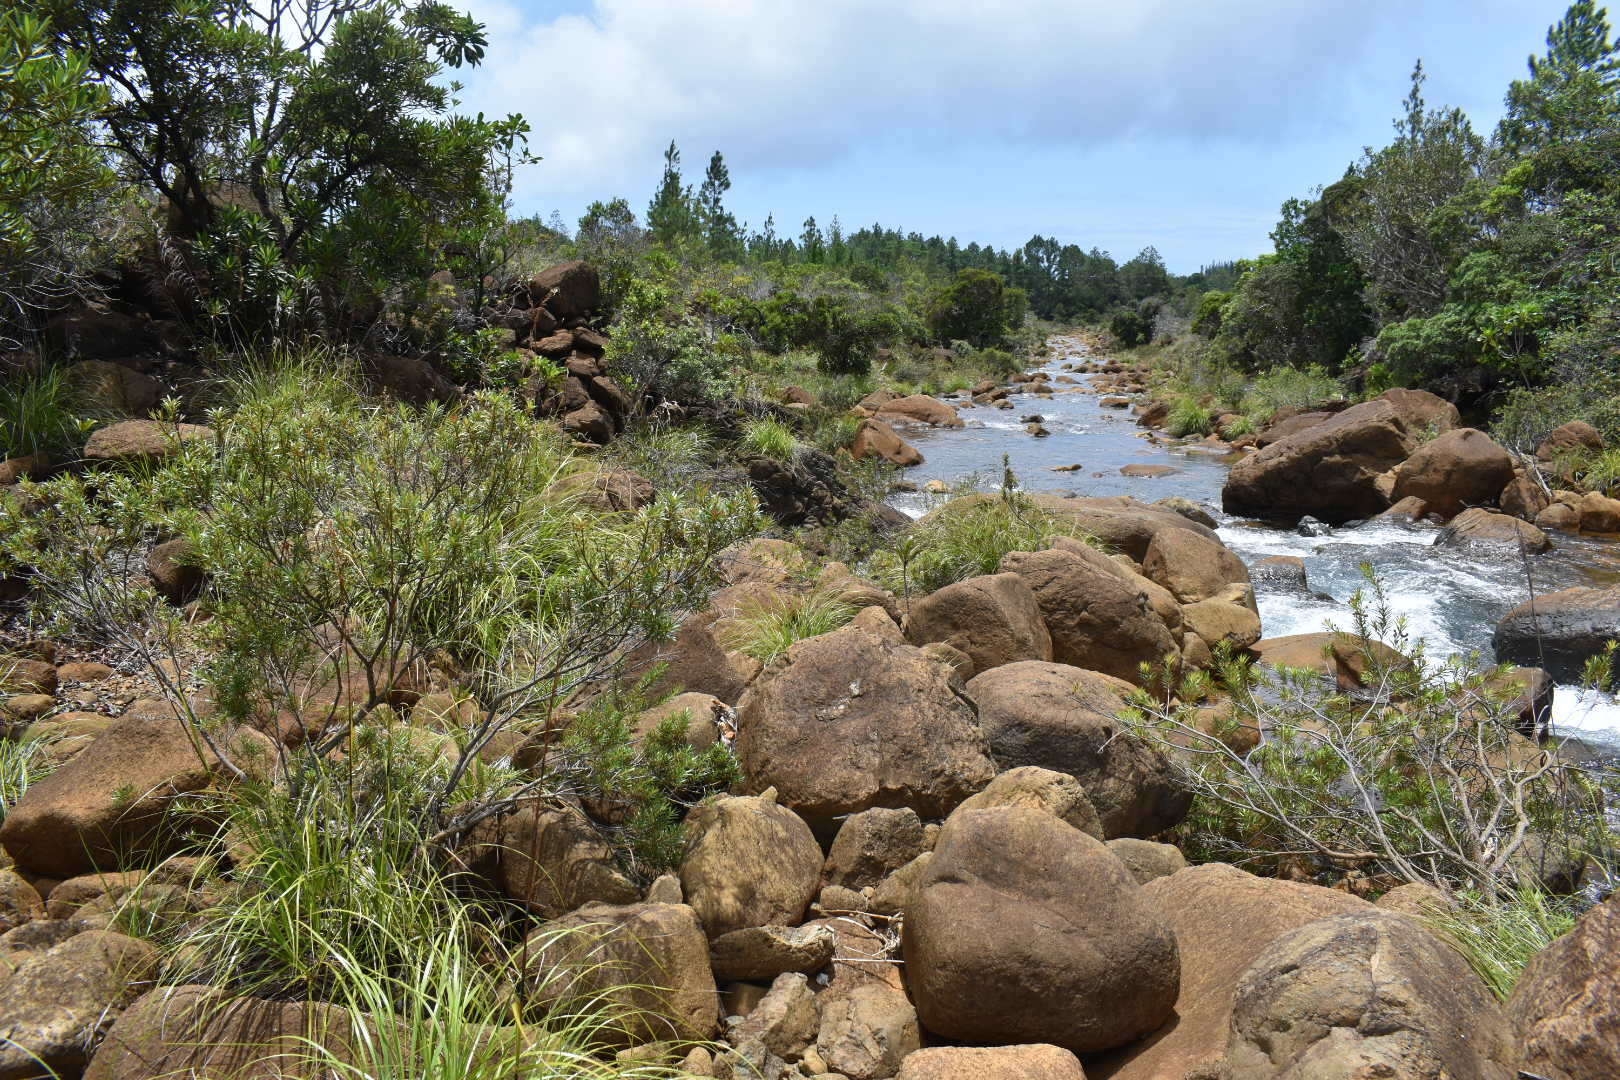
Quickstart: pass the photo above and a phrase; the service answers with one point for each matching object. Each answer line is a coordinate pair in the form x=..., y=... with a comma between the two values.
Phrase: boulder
x=778, y=1029
x=1369, y=993
x=110, y=803
x=693, y=660
x=876, y=439
x=1029, y=1062
x=98, y=332
x=994, y=619
x=173, y=571
x=647, y=964
x=868, y=1025
x=131, y=442
x=1119, y=522
x=748, y=862
x=1565, y=1008
x=110, y=389
x=1188, y=509
x=764, y=952
x=20, y=902
x=873, y=844
x=1025, y=929
x=409, y=379
x=57, y=1003
x=1489, y=530
x=567, y=290
x=920, y=409
x=1417, y=899
x=1559, y=631
x=1523, y=497
x=1059, y=794
x=1223, y=918
x=1191, y=566
x=1330, y=470
x=849, y=720
x=1599, y=513
x=1217, y=621
x=1146, y=860
x=1349, y=660
x=1575, y=437
x=701, y=712
x=1063, y=718
x=552, y=860
x=1096, y=618
x=1462, y=468
x=607, y=490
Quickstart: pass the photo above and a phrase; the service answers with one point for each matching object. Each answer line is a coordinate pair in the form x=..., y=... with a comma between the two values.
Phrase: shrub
x=1284, y=387
x=1130, y=328
x=1188, y=417
x=977, y=307
x=769, y=438
x=767, y=628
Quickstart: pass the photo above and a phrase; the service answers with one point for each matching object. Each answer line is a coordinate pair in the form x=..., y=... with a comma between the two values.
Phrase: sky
x=1119, y=124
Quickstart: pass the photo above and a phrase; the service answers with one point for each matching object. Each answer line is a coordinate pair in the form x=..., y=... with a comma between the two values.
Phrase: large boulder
x=1331, y=470
x=1575, y=437
x=1119, y=521
x=1025, y=929
x=876, y=439
x=1097, y=618
x=748, y=862
x=1599, y=513
x=97, y=332
x=111, y=803
x=1191, y=566
x=567, y=290
x=1488, y=530
x=647, y=964
x=993, y=619
x=57, y=1003
x=1037, y=1061
x=1223, y=918
x=1559, y=631
x=1461, y=468
x=1350, y=661
x=1064, y=719
x=850, y=720
x=552, y=860
x=1565, y=1008
x=920, y=409
x=136, y=442
x=1372, y=993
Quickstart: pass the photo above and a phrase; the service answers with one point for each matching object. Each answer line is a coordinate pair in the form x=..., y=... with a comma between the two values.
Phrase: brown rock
x=1417, y=899
x=607, y=490
x=873, y=844
x=1487, y=528
x=1029, y=1062
x=1599, y=513
x=1563, y=1007
x=1216, y=621
x=1191, y=566
x=993, y=619
x=1148, y=472
x=1350, y=660
x=748, y=862
x=409, y=379
x=1063, y=718
x=22, y=675
x=58, y=1002
x=1146, y=860
x=1059, y=794
x=764, y=952
x=1577, y=436
x=920, y=409
x=1025, y=929
x=552, y=861
x=19, y=902
x=174, y=573
x=1523, y=497
x=848, y=721
x=1559, y=516
x=107, y=388
x=868, y=1025
x=136, y=441
x=567, y=290
x=1461, y=468
x=874, y=438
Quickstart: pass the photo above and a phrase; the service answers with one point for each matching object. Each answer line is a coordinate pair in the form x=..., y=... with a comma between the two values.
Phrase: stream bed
x=1451, y=599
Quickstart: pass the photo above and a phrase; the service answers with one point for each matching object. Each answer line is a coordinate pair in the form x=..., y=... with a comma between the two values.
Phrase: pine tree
x=719, y=226
x=811, y=243
x=671, y=216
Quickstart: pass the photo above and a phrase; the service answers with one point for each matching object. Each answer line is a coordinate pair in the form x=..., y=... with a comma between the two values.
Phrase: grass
x=1188, y=417
x=23, y=762
x=766, y=629
x=1498, y=937
x=37, y=415
x=1283, y=388
x=769, y=438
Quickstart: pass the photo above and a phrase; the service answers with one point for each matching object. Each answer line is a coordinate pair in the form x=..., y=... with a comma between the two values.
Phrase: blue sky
x=1114, y=125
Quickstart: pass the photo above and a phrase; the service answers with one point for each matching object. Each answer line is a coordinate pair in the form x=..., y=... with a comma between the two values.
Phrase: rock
x=1523, y=497
x=1223, y=918
x=409, y=379
x=702, y=713
x=1096, y=618
x=1025, y=929
x=748, y=862
x=1309, y=526
x=606, y=490
x=1575, y=437
x=1371, y=993
x=873, y=844
x=1488, y=529
x=1148, y=472
x=1029, y=1062
x=1349, y=660
x=1216, y=621
x=646, y=964
x=920, y=409
x=1063, y=718
x=552, y=860
x=567, y=290
x=590, y=422
x=1559, y=516
x=108, y=389
x=695, y=661
x=1037, y=430
x=893, y=894
x=868, y=1025
x=1461, y=468
x=1191, y=566
x=876, y=439
x=19, y=902
x=764, y=952
x=993, y=619
x=20, y=710
x=1406, y=510
x=783, y=1022
x=173, y=571
x=1187, y=509
x=1559, y=631
x=1563, y=1007
x=1416, y=899
x=111, y=802
x=132, y=442
x=1119, y=522
x=848, y=721
x=1599, y=513
x=1331, y=469
x=1146, y=860
x=1153, y=414
x=1285, y=570
x=58, y=1002
x=20, y=674
x=1059, y=794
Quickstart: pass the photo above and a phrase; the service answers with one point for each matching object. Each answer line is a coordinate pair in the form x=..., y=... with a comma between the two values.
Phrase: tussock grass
x=769, y=438
x=1188, y=417
x=23, y=762
x=37, y=415
x=766, y=629
x=1499, y=937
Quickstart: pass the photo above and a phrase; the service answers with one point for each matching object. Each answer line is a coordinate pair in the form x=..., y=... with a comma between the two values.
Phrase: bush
x=767, y=628
x=1187, y=417
x=977, y=307
x=662, y=352
x=1285, y=388
x=37, y=415
x=1130, y=328
x=769, y=438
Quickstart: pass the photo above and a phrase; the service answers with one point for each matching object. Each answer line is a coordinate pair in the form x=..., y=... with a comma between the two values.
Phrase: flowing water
x=1451, y=599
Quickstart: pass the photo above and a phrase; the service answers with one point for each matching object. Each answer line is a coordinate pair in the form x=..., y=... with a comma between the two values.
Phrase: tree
x=1145, y=275
x=976, y=307
x=612, y=240
x=810, y=241
x=719, y=226
x=1573, y=92
x=672, y=216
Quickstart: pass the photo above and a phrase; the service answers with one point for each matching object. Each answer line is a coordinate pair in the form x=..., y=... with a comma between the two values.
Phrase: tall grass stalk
x=766, y=629
x=1498, y=937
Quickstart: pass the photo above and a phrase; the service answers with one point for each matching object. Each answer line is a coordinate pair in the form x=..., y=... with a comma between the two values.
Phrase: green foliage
x=977, y=307
x=1207, y=316
x=1188, y=417
x=769, y=438
x=663, y=351
x=23, y=762
x=1288, y=388
x=1499, y=936
x=1131, y=327
x=37, y=415
x=767, y=628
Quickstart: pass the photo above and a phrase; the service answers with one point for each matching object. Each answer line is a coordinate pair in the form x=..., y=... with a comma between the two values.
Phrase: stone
x=1064, y=719
x=1417, y=899
x=784, y=1021
x=1223, y=918
x=1481, y=528
x=1349, y=660
x=1188, y=509
x=1559, y=516
x=1575, y=437
x=1191, y=566
x=1559, y=631
x=1059, y=794
x=22, y=675
x=748, y=862
x=876, y=439
x=1523, y=497
x=847, y=721
x=1025, y=929
x=993, y=619
x=567, y=290
x=1599, y=513
x=111, y=389
x=893, y=894
x=764, y=952
x=920, y=409
x=1096, y=618
x=606, y=490
x=20, y=902
x=174, y=572
x=1148, y=472
x=1146, y=860
x=57, y=1003
x=552, y=860
x=873, y=844
x=1564, y=1007
x=693, y=660
x=702, y=714
x=647, y=964
x=409, y=379
x=1369, y=993
x=1217, y=621
x=1461, y=468
x=131, y=442
x=1036, y=1061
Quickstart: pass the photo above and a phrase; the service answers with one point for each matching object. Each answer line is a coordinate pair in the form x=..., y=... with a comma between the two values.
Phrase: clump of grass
x=1240, y=425
x=1188, y=417
x=834, y=431
x=769, y=438
x=1499, y=937
x=1284, y=387
x=23, y=762
x=768, y=628
x=37, y=415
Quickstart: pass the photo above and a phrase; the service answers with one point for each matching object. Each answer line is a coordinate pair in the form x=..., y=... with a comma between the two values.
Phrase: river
x=1451, y=599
